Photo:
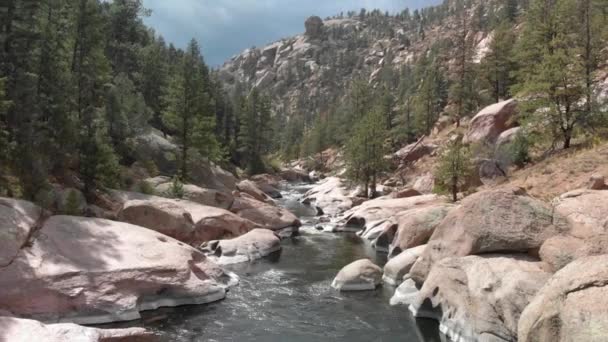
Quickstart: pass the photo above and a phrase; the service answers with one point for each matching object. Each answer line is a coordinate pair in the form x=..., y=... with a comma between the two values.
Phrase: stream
x=287, y=297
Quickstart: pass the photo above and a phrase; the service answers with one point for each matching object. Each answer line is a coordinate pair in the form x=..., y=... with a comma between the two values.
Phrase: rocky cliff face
x=309, y=72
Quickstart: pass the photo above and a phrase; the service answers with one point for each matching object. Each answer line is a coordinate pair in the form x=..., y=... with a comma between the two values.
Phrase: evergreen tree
x=255, y=130
x=498, y=67
x=453, y=170
x=365, y=151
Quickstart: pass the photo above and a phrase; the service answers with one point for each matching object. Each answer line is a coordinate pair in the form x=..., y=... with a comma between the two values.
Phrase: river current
x=287, y=297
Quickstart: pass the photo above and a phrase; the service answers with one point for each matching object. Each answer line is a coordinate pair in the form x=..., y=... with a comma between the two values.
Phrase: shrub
x=177, y=187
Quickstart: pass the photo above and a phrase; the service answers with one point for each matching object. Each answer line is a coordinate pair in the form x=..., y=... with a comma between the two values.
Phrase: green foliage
x=454, y=169
x=148, y=189
x=519, y=150
x=366, y=149
x=498, y=67
x=177, y=188
x=72, y=203
x=255, y=131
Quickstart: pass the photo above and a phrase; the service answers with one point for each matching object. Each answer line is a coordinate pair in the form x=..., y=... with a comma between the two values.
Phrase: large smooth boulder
x=256, y=244
x=561, y=250
x=406, y=294
x=571, y=306
x=18, y=220
x=490, y=221
x=361, y=275
x=415, y=227
x=585, y=211
x=186, y=221
x=415, y=151
x=479, y=298
x=331, y=196
x=384, y=208
x=268, y=184
x=424, y=184
x=214, y=198
x=252, y=189
x=399, y=266
x=90, y=271
x=25, y=330
x=490, y=122
x=265, y=215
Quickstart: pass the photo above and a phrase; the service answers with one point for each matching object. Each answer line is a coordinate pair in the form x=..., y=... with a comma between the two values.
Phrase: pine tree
x=453, y=170
x=498, y=66
x=365, y=151
x=98, y=162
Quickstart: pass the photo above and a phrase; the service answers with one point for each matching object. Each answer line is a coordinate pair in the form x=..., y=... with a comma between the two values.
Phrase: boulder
x=490, y=172
x=571, y=306
x=384, y=208
x=268, y=184
x=480, y=298
x=507, y=137
x=415, y=151
x=331, y=196
x=405, y=193
x=186, y=221
x=597, y=182
x=314, y=27
x=25, y=330
x=256, y=244
x=91, y=271
x=490, y=122
x=400, y=265
x=415, y=227
x=18, y=220
x=264, y=214
x=490, y=221
x=209, y=197
x=424, y=184
x=251, y=189
x=561, y=250
x=295, y=175
x=585, y=211
x=361, y=275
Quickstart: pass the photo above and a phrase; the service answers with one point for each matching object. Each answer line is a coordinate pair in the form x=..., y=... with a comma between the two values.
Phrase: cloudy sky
x=226, y=27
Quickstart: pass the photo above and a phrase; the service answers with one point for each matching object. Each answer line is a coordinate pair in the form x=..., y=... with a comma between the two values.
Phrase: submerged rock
x=480, y=298
x=361, y=275
x=571, y=306
x=91, y=271
x=25, y=330
x=256, y=244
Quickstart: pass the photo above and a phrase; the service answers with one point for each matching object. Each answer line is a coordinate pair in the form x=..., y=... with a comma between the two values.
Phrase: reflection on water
x=288, y=298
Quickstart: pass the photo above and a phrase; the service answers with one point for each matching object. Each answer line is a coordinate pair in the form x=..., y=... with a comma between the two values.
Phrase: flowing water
x=288, y=297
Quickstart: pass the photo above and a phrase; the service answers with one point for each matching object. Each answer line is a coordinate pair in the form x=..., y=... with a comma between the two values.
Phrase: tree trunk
x=454, y=189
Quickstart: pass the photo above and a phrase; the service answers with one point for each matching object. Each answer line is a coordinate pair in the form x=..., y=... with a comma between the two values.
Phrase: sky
x=224, y=28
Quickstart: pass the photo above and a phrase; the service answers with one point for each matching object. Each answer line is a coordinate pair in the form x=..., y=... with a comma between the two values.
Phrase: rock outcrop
x=269, y=184
x=415, y=151
x=480, y=298
x=186, y=221
x=503, y=220
x=18, y=220
x=256, y=244
x=571, y=306
x=561, y=250
x=361, y=275
x=25, y=330
x=90, y=271
x=490, y=122
x=585, y=211
x=252, y=189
